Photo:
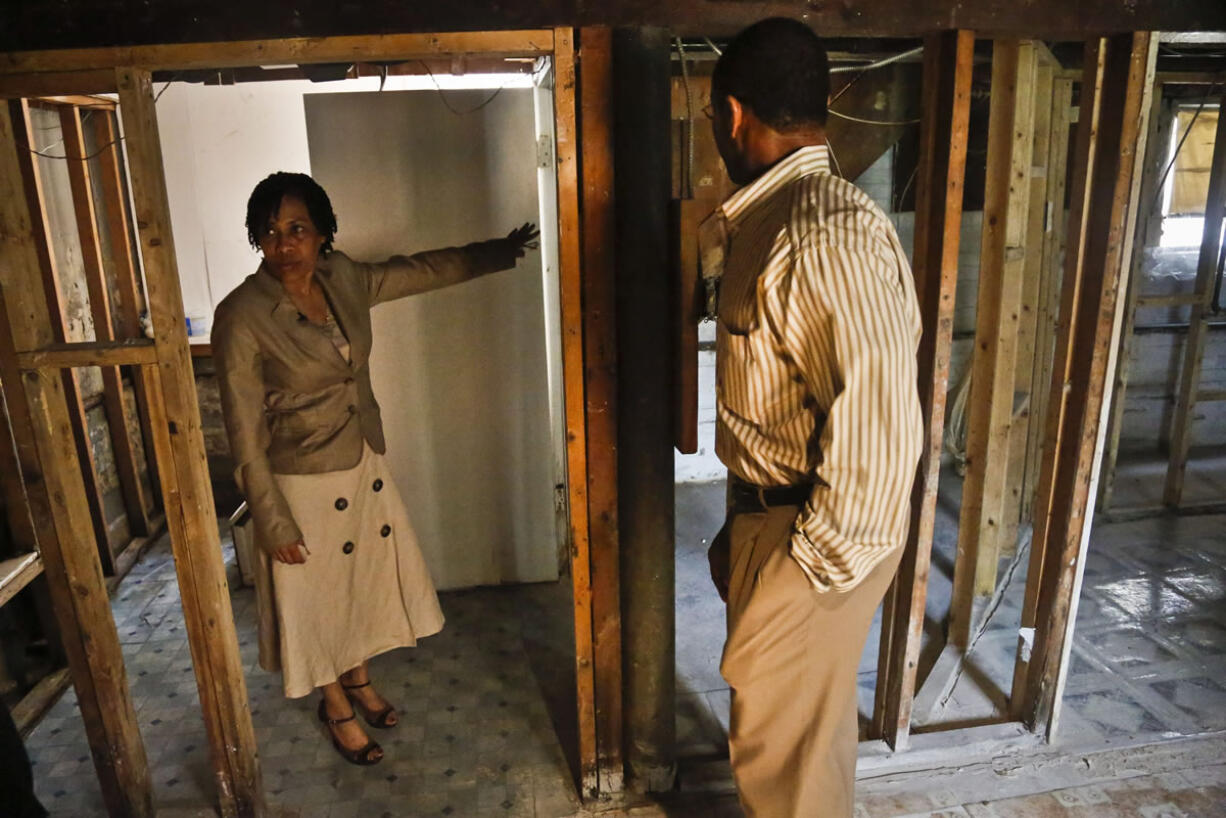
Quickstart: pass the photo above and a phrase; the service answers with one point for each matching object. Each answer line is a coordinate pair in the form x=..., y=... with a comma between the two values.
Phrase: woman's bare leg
x=350, y=733
x=366, y=695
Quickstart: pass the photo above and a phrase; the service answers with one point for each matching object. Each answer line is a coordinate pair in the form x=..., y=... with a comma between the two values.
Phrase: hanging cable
x=1187, y=131
x=883, y=122
x=687, y=191
x=450, y=107
x=844, y=69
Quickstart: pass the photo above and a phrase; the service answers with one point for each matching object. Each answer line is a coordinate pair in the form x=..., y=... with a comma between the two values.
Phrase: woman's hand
x=293, y=554
x=524, y=238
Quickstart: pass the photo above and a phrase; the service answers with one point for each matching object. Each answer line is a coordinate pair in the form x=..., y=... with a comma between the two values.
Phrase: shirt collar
x=806, y=161
x=270, y=285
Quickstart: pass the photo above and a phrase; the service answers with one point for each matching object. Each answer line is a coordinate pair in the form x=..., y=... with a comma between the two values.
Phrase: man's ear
x=736, y=116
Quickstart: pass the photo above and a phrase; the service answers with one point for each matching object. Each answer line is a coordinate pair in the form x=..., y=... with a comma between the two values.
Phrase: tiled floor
x=476, y=737
x=1148, y=658
x=486, y=701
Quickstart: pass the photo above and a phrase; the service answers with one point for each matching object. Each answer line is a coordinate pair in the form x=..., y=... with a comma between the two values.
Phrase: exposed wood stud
x=114, y=399
x=1147, y=230
x=990, y=420
x=948, y=62
x=179, y=444
x=127, y=272
x=1194, y=346
x=55, y=492
x=1033, y=234
x=565, y=89
x=1114, y=103
x=19, y=112
x=1049, y=282
x=600, y=375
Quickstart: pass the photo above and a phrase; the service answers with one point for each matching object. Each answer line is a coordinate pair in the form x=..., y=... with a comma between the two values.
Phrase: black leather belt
x=748, y=497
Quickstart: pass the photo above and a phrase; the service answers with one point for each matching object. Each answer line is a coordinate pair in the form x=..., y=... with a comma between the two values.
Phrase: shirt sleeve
x=237, y=357
x=850, y=323
x=400, y=276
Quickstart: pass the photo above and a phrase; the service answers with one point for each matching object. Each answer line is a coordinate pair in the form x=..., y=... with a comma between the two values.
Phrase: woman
x=292, y=346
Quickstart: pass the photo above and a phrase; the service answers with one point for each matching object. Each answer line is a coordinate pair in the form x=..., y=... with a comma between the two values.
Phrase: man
x=818, y=423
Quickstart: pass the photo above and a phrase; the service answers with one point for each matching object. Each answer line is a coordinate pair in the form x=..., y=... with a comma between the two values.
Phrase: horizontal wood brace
x=90, y=353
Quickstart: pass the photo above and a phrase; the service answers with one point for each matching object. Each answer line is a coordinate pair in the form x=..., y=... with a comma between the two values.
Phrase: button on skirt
x=364, y=588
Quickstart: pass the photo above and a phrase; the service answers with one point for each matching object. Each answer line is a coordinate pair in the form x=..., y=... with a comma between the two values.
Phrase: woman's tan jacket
x=291, y=403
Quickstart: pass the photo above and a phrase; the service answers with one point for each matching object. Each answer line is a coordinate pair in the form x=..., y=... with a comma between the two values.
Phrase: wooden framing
x=114, y=400
x=1146, y=231
x=127, y=275
x=1002, y=267
x=18, y=572
x=1025, y=387
x=19, y=112
x=179, y=443
x=600, y=374
x=299, y=50
x=1114, y=106
x=570, y=254
x=55, y=492
x=1049, y=281
x=167, y=373
x=948, y=61
x=1194, y=348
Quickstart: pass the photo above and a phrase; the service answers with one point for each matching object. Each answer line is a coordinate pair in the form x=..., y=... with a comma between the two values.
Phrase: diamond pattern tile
x=476, y=733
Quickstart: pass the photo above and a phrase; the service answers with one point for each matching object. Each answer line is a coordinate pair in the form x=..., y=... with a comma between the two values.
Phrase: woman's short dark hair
x=779, y=69
x=266, y=199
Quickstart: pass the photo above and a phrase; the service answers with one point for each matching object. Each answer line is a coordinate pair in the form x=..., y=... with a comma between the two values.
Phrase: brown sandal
x=373, y=718
x=362, y=755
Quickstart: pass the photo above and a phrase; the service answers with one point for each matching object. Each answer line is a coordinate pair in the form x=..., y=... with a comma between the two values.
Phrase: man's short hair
x=779, y=69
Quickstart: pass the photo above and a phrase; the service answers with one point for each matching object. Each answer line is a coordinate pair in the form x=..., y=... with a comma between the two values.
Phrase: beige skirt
x=364, y=588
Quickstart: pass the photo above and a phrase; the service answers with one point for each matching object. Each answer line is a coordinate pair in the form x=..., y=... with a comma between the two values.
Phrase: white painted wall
x=461, y=373
x=463, y=376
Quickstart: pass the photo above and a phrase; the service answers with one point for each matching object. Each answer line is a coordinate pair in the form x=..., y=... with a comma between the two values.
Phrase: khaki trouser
x=791, y=660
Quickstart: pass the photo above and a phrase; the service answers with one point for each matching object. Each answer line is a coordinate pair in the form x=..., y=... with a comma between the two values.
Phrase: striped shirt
x=816, y=360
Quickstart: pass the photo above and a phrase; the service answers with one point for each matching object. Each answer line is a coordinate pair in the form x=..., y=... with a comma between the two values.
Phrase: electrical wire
x=845, y=69
x=688, y=192
x=883, y=122
x=452, y=108
x=1187, y=131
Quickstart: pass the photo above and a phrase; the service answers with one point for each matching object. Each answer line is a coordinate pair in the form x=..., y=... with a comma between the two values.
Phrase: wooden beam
x=50, y=83
x=19, y=111
x=600, y=376
x=1114, y=103
x=1194, y=346
x=1147, y=231
x=113, y=396
x=56, y=495
x=1033, y=232
x=82, y=605
x=127, y=274
x=948, y=63
x=1049, y=283
x=67, y=25
x=90, y=353
x=1002, y=264
x=571, y=280
x=179, y=444
x=14, y=427
x=80, y=101
x=28, y=712
x=17, y=573
x=296, y=50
